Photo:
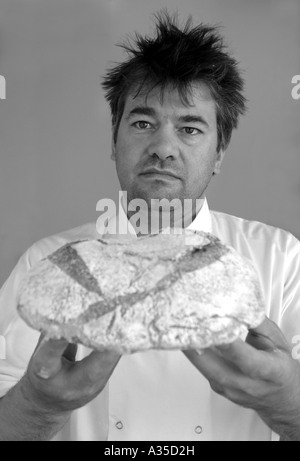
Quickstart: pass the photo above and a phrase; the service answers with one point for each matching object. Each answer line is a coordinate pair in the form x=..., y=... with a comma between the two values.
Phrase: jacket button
x=198, y=430
x=119, y=425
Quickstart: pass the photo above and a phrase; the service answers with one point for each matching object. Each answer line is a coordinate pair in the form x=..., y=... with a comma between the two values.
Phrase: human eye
x=142, y=125
x=191, y=131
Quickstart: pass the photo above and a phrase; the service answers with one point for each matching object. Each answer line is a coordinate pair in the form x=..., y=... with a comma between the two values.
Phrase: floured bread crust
x=156, y=292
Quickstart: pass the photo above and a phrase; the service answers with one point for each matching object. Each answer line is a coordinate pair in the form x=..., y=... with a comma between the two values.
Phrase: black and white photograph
x=150, y=223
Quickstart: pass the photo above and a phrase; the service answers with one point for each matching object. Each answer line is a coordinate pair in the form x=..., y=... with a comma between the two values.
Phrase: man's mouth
x=154, y=173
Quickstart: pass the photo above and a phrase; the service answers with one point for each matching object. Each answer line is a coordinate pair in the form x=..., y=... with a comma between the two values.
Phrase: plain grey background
x=55, y=136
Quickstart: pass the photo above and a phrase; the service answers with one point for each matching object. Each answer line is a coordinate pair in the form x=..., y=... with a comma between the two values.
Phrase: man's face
x=166, y=149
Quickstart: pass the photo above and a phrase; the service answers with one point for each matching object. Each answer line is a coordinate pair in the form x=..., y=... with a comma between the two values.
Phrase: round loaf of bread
x=164, y=291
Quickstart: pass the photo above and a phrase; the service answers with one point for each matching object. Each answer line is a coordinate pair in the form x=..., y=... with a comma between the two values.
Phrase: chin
x=160, y=195
x=156, y=193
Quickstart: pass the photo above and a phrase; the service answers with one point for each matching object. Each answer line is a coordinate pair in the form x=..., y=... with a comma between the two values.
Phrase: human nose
x=164, y=144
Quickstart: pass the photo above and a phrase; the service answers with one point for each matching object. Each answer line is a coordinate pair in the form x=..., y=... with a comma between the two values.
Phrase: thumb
x=47, y=359
x=267, y=336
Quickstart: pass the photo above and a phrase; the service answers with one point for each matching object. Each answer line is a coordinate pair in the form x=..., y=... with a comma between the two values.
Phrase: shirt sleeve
x=17, y=340
x=290, y=319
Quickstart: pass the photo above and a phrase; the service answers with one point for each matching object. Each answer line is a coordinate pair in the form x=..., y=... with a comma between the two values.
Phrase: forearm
x=287, y=427
x=23, y=420
x=290, y=439
x=290, y=433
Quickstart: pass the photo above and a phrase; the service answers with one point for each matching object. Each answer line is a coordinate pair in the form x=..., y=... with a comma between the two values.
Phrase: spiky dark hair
x=179, y=56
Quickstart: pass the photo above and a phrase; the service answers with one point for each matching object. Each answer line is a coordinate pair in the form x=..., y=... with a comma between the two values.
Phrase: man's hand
x=40, y=404
x=55, y=381
x=259, y=374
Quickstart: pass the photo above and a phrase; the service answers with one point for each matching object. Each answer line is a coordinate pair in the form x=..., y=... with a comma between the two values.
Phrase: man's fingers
x=267, y=336
x=41, y=339
x=256, y=357
x=47, y=359
x=259, y=341
x=96, y=366
x=70, y=352
x=252, y=362
x=212, y=365
x=47, y=362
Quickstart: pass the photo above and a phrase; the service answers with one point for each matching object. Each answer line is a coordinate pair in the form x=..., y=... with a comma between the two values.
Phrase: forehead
x=197, y=99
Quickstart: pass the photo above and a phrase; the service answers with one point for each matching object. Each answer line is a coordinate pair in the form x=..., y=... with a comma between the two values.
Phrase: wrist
x=287, y=428
x=289, y=433
x=25, y=417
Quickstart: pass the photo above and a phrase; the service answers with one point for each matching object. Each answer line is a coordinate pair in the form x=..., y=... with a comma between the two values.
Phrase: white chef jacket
x=160, y=395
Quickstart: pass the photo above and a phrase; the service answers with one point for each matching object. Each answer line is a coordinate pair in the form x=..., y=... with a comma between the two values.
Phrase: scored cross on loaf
x=163, y=291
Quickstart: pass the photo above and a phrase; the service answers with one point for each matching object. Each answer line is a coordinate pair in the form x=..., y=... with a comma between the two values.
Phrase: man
x=174, y=104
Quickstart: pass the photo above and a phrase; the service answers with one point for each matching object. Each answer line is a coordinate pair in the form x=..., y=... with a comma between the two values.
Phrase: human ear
x=220, y=157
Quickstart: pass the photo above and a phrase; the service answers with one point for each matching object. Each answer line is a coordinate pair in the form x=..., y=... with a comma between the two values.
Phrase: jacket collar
x=202, y=221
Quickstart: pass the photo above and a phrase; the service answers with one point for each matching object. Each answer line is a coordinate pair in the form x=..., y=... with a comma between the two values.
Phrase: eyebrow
x=150, y=112
x=193, y=119
x=141, y=110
